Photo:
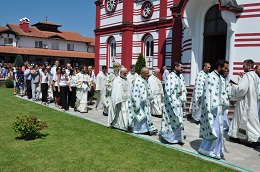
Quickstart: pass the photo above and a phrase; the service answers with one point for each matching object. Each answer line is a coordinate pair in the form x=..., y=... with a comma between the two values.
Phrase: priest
x=81, y=81
x=157, y=91
x=257, y=71
x=118, y=109
x=245, y=122
x=195, y=107
x=140, y=120
x=172, y=128
x=214, y=98
x=101, y=88
x=110, y=79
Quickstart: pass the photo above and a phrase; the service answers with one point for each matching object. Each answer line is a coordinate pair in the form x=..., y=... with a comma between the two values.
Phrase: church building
x=165, y=31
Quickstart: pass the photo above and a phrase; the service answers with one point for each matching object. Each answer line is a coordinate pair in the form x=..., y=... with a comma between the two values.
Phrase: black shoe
x=197, y=122
x=105, y=114
x=236, y=140
x=255, y=144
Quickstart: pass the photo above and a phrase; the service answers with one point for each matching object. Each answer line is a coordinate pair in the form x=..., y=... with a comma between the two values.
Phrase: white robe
x=81, y=104
x=195, y=107
x=157, y=91
x=245, y=122
x=118, y=109
x=101, y=90
x=131, y=78
x=258, y=105
x=226, y=121
x=211, y=128
x=109, y=82
x=172, y=128
x=140, y=119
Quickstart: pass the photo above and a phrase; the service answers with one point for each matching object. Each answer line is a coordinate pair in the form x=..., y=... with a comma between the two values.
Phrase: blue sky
x=73, y=15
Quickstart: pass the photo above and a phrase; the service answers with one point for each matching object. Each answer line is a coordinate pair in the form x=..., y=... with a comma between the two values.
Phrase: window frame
x=70, y=47
x=55, y=45
x=8, y=41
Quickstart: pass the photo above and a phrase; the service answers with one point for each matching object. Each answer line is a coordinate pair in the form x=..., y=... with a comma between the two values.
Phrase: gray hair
x=156, y=69
x=144, y=68
x=205, y=64
x=123, y=69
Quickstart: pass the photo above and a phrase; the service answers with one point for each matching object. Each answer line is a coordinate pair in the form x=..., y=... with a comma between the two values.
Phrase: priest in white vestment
x=101, y=88
x=172, y=126
x=118, y=109
x=81, y=81
x=213, y=100
x=226, y=121
x=110, y=79
x=195, y=107
x=140, y=119
x=157, y=91
x=131, y=76
x=245, y=122
x=257, y=71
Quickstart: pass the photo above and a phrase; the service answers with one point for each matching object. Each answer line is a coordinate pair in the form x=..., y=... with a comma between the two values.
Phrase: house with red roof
x=44, y=42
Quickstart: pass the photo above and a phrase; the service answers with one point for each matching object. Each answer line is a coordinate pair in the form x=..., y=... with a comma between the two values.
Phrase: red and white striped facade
x=176, y=30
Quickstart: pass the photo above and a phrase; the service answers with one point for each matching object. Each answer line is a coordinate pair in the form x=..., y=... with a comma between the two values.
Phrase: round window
x=147, y=9
x=111, y=5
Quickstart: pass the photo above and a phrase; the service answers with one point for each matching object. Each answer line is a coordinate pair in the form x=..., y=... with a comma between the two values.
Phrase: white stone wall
x=29, y=42
x=103, y=50
x=111, y=19
x=168, y=48
x=138, y=19
x=5, y=35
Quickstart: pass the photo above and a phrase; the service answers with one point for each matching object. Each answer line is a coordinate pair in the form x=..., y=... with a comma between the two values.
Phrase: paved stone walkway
x=241, y=157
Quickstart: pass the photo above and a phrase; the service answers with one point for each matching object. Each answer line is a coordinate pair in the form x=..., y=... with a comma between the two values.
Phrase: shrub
x=18, y=61
x=29, y=127
x=140, y=63
x=9, y=83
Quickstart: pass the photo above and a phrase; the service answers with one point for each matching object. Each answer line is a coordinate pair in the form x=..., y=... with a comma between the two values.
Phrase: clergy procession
x=131, y=102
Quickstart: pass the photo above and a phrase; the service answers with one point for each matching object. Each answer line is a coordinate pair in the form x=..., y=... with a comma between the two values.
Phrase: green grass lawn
x=74, y=144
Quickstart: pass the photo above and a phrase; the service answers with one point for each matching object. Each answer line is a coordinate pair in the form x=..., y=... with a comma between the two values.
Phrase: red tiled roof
x=45, y=52
x=91, y=40
x=47, y=23
x=34, y=32
x=3, y=28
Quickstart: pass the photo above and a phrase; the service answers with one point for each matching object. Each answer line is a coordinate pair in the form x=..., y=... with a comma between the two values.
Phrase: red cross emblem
x=149, y=61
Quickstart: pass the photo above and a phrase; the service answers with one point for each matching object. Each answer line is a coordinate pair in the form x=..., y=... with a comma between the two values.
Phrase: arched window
x=214, y=22
x=111, y=51
x=149, y=50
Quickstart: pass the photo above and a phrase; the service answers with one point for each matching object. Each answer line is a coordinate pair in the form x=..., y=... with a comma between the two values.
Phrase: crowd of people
x=62, y=85
x=130, y=100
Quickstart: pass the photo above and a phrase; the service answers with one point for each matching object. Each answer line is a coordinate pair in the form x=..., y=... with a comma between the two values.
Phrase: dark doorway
x=215, y=36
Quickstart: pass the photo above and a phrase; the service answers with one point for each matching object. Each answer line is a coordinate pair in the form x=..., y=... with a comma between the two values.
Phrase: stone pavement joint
x=241, y=157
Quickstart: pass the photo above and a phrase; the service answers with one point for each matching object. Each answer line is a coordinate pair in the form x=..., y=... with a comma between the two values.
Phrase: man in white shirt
x=54, y=68
x=101, y=88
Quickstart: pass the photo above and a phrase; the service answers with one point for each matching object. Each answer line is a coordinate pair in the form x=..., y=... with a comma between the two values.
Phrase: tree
x=18, y=61
x=140, y=64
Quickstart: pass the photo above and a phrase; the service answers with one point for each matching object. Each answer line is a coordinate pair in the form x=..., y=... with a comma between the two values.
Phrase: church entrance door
x=215, y=35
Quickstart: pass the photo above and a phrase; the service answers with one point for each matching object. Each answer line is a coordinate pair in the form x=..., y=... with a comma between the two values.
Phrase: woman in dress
x=19, y=78
x=19, y=81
